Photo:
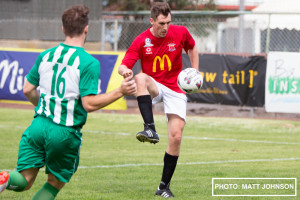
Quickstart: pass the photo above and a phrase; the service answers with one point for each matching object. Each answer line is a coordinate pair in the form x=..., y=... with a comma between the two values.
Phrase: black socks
x=170, y=163
x=145, y=105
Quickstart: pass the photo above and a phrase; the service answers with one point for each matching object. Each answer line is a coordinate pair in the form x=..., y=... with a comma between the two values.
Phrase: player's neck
x=74, y=41
x=153, y=33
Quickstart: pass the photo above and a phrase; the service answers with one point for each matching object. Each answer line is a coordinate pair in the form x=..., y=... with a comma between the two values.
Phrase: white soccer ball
x=190, y=80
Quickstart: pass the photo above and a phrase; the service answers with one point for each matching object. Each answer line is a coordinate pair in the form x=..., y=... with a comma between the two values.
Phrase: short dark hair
x=160, y=8
x=75, y=19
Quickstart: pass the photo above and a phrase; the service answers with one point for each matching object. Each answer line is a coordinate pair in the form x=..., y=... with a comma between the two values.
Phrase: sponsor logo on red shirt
x=161, y=62
x=148, y=50
x=148, y=46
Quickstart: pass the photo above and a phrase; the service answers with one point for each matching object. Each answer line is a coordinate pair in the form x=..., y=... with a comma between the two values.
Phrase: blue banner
x=16, y=64
x=107, y=64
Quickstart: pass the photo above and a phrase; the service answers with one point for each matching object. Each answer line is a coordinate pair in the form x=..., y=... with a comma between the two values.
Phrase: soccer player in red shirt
x=160, y=50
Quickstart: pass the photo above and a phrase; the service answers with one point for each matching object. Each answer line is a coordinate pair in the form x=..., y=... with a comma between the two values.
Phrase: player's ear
x=86, y=29
x=151, y=21
x=63, y=29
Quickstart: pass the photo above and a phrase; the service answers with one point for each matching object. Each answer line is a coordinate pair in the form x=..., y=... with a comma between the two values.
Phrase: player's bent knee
x=140, y=78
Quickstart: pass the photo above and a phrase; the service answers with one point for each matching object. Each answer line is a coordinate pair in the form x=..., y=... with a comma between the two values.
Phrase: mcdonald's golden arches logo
x=162, y=62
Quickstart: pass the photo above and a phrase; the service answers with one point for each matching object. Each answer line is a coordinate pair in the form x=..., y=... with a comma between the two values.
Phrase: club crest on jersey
x=172, y=47
x=148, y=46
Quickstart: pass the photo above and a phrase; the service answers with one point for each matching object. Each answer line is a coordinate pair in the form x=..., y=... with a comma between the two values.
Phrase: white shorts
x=174, y=102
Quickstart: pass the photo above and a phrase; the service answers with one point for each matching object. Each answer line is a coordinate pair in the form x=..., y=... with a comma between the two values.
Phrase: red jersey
x=161, y=58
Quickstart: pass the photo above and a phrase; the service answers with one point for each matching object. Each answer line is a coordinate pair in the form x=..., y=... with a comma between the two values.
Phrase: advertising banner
x=15, y=64
x=283, y=82
x=230, y=80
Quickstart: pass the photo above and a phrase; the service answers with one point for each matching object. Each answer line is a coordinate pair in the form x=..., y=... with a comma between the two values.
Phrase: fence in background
x=214, y=32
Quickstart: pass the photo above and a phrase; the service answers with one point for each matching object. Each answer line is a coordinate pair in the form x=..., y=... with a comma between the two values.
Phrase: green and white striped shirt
x=64, y=74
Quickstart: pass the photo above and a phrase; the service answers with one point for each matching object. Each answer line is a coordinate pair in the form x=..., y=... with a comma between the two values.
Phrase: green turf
x=114, y=165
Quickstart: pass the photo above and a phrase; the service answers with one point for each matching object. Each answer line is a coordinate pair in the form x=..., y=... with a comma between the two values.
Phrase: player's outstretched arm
x=125, y=72
x=194, y=57
x=31, y=93
x=95, y=102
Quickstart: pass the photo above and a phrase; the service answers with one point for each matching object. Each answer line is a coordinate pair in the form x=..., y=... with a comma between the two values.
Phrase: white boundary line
x=184, y=137
x=187, y=163
x=295, y=179
x=237, y=140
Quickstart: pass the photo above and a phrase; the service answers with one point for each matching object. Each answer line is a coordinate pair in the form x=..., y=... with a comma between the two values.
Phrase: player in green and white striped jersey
x=68, y=79
x=64, y=73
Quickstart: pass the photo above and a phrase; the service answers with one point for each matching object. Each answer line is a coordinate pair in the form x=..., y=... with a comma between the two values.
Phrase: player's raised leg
x=146, y=90
x=17, y=181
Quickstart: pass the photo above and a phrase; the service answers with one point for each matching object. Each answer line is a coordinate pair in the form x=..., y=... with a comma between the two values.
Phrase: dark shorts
x=46, y=143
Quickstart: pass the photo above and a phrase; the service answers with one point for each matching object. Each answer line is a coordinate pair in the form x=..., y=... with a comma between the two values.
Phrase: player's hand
x=128, y=87
x=127, y=73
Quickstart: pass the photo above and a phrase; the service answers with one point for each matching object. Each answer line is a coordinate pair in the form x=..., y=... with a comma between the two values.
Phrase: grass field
x=114, y=165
